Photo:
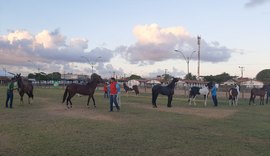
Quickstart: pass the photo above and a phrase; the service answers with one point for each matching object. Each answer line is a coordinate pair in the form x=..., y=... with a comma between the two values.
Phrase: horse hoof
x=154, y=106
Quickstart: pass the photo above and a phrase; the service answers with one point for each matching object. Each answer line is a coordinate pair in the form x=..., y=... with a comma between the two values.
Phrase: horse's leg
x=169, y=101
x=21, y=94
x=205, y=99
x=69, y=99
x=155, y=100
x=89, y=97
x=194, y=100
x=236, y=100
x=189, y=99
x=94, y=102
x=254, y=99
x=251, y=97
x=28, y=97
x=22, y=99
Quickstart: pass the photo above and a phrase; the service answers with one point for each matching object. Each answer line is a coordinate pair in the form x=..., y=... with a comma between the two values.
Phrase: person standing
x=118, y=94
x=214, y=94
x=105, y=89
x=10, y=88
x=113, y=95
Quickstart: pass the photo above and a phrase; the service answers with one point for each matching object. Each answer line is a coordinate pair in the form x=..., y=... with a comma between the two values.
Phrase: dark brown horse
x=24, y=86
x=257, y=92
x=88, y=89
x=134, y=88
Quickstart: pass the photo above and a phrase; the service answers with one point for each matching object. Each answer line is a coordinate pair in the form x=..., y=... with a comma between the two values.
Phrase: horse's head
x=209, y=85
x=97, y=78
x=175, y=79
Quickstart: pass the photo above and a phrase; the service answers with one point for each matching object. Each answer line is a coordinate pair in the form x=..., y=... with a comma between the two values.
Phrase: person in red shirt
x=113, y=95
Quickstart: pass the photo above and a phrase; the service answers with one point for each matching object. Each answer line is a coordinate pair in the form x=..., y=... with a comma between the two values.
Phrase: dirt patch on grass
x=84, y=113
x=211, y=113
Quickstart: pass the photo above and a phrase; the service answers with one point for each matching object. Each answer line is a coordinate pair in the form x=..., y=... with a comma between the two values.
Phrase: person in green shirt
x=10, y=88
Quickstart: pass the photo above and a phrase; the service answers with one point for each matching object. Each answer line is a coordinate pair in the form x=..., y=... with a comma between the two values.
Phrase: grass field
x=47, y=128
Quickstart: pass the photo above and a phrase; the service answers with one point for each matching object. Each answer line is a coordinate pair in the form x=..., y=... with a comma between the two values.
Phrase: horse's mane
x=93, y=79
x=172, y=83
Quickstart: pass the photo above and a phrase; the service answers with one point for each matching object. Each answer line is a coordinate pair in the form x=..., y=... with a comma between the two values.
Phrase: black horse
x=24, y=86
x=164, y=90
x=134, y=88
x=88, y=89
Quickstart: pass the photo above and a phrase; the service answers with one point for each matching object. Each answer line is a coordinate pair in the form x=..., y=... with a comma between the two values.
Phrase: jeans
x=9, y=98
x=113, y=99
x=214, y=97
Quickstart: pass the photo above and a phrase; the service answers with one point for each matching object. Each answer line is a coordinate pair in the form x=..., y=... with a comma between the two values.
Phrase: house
x=251, y=83
x=245, y=82
x=191, y=83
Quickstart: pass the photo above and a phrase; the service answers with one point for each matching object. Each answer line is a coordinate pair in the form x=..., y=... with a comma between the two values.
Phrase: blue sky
x=134, y=37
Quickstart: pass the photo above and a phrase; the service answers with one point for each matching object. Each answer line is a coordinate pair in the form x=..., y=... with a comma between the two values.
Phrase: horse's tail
x=230, y=94
x=189, y=94
x=31, y=91
x=65, y=95
x=153, y=95
x=136, y=89
x=251, y=96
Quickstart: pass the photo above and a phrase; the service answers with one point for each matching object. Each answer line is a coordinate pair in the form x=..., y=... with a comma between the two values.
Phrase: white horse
x=194, y=91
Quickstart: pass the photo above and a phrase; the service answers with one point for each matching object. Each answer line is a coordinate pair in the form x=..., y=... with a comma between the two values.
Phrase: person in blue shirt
x=118, y=94
x=214, y=94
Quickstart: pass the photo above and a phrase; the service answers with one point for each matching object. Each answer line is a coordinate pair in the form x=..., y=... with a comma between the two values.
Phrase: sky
x=134, y=37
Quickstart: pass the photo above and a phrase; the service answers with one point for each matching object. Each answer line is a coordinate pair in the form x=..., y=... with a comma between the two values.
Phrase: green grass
x=47, y=128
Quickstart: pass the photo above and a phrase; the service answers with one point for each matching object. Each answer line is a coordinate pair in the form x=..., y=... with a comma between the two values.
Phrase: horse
x=134, y=87
x=194, y=91
x=257, y=92
x=164, y=90
x=233, y=95
x=87, y=89
x=24, y=86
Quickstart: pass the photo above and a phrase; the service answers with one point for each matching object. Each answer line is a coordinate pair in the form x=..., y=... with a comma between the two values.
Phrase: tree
x=55, y=76
x=134, y=77
x=31, y=76
x=189, y=76
x=264, y=76
x=218, y=78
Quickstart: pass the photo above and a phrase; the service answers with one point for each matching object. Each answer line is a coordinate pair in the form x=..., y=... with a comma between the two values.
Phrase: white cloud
x=51, y=40
x=18, y=36
x=46, y=49
x=158, y=44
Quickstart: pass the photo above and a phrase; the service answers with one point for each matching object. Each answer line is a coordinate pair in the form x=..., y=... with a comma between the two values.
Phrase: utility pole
x=199, y=54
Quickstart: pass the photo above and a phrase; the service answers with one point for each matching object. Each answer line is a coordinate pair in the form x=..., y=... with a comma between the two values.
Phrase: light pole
x=242, y=70
x=187, y=59
x=5, y=71
x=91, y=63
x=37, y=76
